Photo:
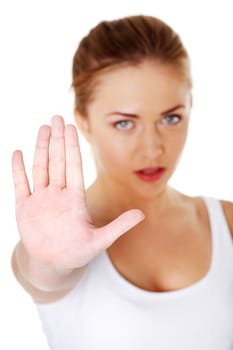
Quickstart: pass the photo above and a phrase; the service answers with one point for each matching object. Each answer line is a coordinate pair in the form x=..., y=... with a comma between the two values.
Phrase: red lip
x=151, y=168
x=150, y=177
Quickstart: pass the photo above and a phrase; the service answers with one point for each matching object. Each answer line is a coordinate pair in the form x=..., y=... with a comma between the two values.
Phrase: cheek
x=175, y=143
x=179, y=144
x=108, y=153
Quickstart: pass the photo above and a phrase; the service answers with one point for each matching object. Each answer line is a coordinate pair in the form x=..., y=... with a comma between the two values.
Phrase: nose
x=151, y=144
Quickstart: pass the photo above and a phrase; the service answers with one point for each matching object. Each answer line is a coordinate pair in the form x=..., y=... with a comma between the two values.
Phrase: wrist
x=42, y=276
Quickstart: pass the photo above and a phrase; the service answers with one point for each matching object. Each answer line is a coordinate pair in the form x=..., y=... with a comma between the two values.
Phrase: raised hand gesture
x=53, y=220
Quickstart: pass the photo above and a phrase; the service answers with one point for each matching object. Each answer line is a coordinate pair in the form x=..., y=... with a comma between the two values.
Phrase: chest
x=121, y=317
x=171, y=259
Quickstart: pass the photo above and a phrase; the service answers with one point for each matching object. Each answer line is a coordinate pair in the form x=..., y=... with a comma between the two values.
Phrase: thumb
x=106, y=235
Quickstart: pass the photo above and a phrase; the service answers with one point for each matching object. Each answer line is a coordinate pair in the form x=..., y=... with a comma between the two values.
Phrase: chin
x=149, y=193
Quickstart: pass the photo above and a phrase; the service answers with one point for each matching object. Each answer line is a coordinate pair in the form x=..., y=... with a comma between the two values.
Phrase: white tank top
x=106, y=312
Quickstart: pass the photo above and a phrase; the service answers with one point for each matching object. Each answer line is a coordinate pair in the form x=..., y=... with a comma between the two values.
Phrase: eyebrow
x=136, y=116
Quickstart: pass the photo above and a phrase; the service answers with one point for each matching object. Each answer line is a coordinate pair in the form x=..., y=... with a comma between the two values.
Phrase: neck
x=112, y=201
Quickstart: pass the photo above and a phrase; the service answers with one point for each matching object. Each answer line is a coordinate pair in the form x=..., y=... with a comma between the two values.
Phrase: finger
x=57, y=153
x=74, y=173
x=41, y=158
x=105, y=236
x=21, y=184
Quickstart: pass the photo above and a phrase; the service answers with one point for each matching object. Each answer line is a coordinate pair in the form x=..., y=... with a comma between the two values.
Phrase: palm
x=53, y=221
x=62, y=228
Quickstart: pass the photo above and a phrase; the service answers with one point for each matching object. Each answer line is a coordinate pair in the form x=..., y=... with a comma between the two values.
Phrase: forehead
x=150, y=83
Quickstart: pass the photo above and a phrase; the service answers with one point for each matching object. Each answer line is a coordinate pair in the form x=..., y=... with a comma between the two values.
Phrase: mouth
x=150, y=174
x=150, y=170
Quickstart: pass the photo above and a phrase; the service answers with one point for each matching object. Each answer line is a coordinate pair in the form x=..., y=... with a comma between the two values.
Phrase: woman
x=132, y=263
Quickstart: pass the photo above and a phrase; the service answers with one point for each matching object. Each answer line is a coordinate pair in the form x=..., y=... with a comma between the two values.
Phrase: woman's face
x=138, y=119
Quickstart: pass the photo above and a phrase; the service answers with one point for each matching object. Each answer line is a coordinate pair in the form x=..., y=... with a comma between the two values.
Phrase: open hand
x=53, y=220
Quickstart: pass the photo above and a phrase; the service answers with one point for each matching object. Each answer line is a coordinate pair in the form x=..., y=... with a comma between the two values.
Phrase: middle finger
x=57, y=153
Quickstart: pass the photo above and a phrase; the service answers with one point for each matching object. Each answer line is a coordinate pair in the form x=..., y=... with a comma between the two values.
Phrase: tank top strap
x=221, y=236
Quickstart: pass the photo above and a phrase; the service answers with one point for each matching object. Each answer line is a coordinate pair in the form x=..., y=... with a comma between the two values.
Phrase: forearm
x=40, y=276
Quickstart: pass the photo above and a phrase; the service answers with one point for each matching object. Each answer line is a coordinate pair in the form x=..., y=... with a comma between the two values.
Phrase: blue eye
x=172, y=119
x=123, y=124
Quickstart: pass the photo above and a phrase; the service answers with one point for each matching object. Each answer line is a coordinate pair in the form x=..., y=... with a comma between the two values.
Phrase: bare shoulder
x=227, y=207
x=228, y=211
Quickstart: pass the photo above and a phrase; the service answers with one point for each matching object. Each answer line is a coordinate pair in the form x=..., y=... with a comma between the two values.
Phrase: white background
x=37, y=43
